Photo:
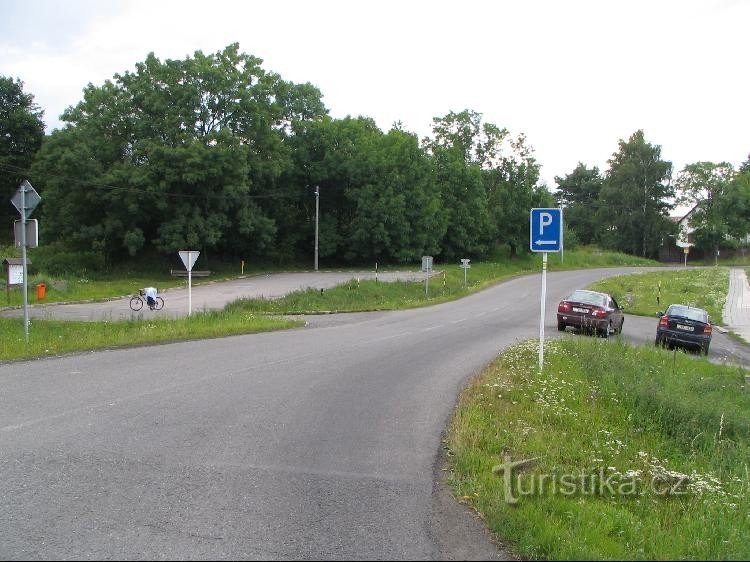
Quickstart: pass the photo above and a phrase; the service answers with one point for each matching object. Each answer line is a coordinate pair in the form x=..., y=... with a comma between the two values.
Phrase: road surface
x=320, y=442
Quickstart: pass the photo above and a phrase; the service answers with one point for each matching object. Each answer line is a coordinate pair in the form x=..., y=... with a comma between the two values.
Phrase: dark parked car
x=590, y=311
x=684, y=326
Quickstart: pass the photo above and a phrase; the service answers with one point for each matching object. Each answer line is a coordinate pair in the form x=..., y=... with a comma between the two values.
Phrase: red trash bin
x=41, y=291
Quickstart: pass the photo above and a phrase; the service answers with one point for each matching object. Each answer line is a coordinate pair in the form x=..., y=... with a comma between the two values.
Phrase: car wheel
x=658, y=341
x=561, y=326
x=606, y=331
x=704, y=349
x=622, y=322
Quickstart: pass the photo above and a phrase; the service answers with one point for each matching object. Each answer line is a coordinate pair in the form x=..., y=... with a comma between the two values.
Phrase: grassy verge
x=377, y=295
x=49, y=337
x=641, y=453
x=124, y=282
x=371, y=295
x=647, y=293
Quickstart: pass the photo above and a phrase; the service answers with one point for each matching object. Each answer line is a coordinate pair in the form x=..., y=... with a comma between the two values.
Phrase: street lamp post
x=317, y=213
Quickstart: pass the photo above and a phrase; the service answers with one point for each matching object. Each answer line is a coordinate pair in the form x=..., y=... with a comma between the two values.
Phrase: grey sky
x=574, y=76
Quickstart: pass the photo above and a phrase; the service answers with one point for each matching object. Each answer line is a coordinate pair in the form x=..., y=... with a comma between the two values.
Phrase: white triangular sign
x=188, y=257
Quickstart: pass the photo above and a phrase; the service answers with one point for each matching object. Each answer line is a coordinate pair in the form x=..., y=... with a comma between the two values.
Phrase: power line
x=134, y=190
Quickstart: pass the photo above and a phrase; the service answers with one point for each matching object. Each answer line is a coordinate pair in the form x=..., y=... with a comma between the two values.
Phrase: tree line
x=627, y=208
x=216, y=153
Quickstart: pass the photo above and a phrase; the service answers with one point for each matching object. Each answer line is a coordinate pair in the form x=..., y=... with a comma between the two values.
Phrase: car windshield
x=587, y=297
x=697, y=314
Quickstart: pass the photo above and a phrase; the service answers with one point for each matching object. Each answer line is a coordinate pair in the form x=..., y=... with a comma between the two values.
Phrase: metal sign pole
x=541, y=319
x=189, y=258
x=25, y=268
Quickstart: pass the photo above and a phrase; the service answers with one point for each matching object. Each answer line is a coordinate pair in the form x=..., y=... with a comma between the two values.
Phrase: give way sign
x=188, y=257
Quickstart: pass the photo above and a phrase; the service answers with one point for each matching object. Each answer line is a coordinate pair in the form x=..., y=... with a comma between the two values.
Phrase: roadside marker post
x=545, y=235
x=465, y=265
x=427, y=269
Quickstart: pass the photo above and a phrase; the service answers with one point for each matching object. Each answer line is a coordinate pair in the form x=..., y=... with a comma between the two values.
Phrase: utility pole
x=317, y=214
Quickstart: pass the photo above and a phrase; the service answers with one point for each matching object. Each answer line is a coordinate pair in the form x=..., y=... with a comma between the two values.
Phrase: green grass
x=125, y=281
x=646, y=294
x=637, y=418
x=95, y=288
x=449, y=285
x=50, y=337
x=591, y=256
x=366, y=295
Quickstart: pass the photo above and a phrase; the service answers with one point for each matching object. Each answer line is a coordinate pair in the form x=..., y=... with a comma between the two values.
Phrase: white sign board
x=465, y=264
x=15, y=274
x=426, y=263
x=188, y=258
x=32, y=233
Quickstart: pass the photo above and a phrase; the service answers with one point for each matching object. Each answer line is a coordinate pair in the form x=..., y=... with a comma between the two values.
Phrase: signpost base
x=541, y=319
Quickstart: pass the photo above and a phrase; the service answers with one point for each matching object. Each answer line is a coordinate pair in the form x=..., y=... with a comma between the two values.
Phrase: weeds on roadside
x=657, y=456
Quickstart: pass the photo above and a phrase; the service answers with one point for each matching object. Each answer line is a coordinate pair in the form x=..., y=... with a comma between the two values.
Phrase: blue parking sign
x=545, y=232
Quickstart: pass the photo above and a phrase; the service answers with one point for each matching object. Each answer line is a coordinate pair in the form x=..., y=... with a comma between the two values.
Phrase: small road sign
x=545, y=232
x=32, y=233
x=188, y=258
x=465, y=265
x=427, y=268
x=25, y=199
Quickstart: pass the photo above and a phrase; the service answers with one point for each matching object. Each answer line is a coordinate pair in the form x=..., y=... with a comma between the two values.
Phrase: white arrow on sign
x=546, y=242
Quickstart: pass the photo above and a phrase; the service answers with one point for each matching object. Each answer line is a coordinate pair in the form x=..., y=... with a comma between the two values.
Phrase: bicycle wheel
x=136, y=303
x=159, y=303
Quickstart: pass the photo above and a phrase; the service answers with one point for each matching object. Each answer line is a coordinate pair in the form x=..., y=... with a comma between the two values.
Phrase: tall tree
x=181, y=153
x=513, y=189
x=509, y=174
x=735, y=205
x=578, y=193
x=458, y=146
x=378, y=197
x=636, y=198
x=21, y=134
x=399, y=215
x=705, y=185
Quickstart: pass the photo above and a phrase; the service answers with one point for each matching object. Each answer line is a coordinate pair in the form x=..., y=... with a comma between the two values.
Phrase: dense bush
x=58, y=261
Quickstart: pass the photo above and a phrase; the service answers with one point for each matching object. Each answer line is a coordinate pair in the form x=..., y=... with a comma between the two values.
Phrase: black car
x=686, y=327
x=590, y=311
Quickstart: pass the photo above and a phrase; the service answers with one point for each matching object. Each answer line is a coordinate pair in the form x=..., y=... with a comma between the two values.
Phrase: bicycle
x=137, y=302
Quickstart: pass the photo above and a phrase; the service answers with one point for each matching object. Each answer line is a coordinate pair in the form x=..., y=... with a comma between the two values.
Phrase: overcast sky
x=574, y=76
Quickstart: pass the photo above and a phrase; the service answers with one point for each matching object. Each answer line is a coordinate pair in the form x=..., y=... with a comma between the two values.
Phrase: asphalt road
x=321, y=442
